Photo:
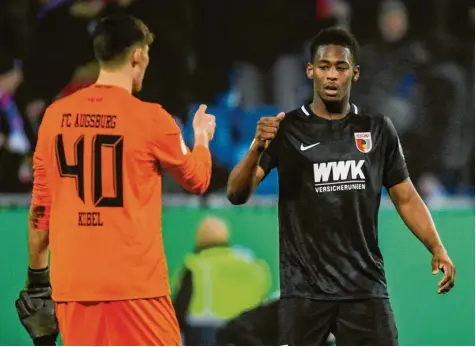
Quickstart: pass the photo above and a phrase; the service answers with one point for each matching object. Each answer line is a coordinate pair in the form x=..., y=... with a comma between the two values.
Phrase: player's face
x=141, y=61
x=333, y=72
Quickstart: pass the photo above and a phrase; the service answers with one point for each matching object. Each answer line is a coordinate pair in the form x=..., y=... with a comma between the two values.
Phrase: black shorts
x=256, y=327
x=366, y=322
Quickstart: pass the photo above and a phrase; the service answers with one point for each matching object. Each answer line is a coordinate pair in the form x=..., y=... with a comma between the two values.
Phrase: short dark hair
x=335, y=36
x=115, y=35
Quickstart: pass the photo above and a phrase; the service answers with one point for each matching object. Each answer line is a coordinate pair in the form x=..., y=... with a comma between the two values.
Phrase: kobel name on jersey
x=339, y=176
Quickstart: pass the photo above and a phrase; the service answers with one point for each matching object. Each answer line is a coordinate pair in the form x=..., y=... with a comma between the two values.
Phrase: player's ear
x=356, y=74
x=310, y=71
x=136, y=56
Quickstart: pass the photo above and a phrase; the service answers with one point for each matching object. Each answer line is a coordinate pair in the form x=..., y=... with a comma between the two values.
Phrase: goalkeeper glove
x=36, y=308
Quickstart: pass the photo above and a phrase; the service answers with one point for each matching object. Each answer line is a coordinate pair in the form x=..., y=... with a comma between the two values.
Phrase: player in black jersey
x=332, y=160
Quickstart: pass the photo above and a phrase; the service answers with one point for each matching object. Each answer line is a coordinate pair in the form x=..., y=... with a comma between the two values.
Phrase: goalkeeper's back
x=98, y=165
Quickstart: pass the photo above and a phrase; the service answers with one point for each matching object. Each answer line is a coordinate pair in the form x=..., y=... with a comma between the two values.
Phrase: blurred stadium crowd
x=246, y=59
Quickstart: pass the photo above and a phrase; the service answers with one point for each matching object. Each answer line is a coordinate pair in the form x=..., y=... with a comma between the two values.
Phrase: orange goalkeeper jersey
x=97, y=191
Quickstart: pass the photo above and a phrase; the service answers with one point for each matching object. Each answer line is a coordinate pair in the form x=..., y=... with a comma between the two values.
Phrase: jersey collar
x=306, y=110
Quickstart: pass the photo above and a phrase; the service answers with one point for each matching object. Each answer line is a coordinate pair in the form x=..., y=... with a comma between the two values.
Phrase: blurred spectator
x=218, y=284
x=14, y=40
x=449, y=136
x=421, y=86
x=389, y=82
x=169, y=76
x=268, y=40
x=418, y=71
x=15, y=30
x=211, y=58
x=71, y=58
x=61, y=43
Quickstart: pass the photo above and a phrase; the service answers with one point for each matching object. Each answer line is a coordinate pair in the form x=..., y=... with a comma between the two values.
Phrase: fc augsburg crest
x=363, y=141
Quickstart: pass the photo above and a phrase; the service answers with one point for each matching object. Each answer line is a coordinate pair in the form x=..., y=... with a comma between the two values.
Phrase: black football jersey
x=331, y=174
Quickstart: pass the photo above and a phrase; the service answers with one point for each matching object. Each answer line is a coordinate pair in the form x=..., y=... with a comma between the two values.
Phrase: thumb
x=280, y=116
x=202, y=109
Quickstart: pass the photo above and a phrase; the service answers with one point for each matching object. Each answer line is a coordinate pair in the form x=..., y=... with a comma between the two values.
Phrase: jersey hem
x=105, y=298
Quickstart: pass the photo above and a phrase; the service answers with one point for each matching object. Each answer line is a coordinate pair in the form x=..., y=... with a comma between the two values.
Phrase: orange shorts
x=144, y=322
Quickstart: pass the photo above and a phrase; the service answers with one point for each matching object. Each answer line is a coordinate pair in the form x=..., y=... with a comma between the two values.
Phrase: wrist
x=257, y=146
x=201, y=138
x=438, y=249
x=38, y=277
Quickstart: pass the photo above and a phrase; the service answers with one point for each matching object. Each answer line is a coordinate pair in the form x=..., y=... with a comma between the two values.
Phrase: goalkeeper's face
x=140, y=61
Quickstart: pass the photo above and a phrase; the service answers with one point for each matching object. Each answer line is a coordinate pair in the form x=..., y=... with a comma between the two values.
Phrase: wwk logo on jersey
x=363, y=141
x=339, y=176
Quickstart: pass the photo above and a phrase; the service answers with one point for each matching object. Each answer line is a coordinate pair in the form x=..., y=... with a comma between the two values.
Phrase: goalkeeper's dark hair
x=115, y=36
x=335, y=36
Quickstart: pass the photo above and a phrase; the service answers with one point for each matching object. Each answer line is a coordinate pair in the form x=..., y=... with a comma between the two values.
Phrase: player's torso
x=322, y=160
x=330, y=180
x=106, y=198
x=100, y=151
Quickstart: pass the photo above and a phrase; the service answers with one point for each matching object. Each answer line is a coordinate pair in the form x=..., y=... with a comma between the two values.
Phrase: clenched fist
x=204, y=123
x=266, y=130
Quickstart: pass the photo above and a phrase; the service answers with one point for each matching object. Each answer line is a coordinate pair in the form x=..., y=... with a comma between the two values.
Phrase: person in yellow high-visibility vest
x=218, y=284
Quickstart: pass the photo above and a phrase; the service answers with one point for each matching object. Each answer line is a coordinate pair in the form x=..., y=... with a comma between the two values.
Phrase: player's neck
x=330, y=110
x=115, y=78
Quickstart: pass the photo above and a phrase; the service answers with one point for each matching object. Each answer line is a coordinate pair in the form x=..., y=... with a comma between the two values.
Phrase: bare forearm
x=417, y=217
x=38, y=248
x=243, y=180
x=38, y=242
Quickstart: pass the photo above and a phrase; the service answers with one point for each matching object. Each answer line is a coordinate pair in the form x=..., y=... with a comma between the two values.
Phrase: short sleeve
x=395, y=167
x=269, y=157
